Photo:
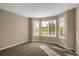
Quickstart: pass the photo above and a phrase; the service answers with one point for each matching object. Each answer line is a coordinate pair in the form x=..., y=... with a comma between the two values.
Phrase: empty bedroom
x=39, y=29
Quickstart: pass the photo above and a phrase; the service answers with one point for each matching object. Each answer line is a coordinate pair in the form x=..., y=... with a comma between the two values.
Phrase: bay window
x=49, y=28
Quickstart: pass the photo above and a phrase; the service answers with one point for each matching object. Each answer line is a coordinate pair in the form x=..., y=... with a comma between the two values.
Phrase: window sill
x=49, y=36
x=61, y=37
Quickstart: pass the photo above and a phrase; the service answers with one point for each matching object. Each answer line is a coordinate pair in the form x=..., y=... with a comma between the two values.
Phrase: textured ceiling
x=37, y=10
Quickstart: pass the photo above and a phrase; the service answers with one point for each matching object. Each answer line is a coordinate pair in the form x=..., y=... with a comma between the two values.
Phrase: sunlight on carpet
x=49, y=51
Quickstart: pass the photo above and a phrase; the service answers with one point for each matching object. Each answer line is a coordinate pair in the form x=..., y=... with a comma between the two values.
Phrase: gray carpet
x=34, y=49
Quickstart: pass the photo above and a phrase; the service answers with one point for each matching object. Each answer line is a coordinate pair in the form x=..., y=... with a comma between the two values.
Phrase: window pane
x=62, y=27
x=52, y=28
x=48, y=28
x=36, y=28
x=45, y=28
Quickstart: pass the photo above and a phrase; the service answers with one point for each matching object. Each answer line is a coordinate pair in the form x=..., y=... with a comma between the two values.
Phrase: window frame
x=59, y=35
x=33, y=28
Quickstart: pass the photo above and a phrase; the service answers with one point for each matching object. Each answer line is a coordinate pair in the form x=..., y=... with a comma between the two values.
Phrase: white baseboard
x=70, y=49
x=12, y=45
x=35, y=40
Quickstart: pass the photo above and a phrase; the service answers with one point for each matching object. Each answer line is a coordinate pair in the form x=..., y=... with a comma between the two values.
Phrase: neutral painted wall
x=30, y=29
x=71, y=18
x=69, y=41
x=13, y=29
x=77, y=30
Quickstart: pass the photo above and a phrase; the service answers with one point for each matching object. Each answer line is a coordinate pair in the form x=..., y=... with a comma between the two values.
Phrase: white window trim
x=33, y=28
x=60, y=37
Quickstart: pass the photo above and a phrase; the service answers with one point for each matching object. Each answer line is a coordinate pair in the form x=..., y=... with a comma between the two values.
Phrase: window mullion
x=49, y=29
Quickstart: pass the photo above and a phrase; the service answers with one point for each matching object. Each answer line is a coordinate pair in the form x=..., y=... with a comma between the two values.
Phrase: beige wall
x=71, y=14
x=69, y=41
x=77, y=30
x=30, y=29
x=13, y=29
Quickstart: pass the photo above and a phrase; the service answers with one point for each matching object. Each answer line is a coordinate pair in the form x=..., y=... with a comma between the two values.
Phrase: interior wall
x=30, y=29
x=13, y=29
x=77, y=30
x=71, y=18
x=69, y=41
